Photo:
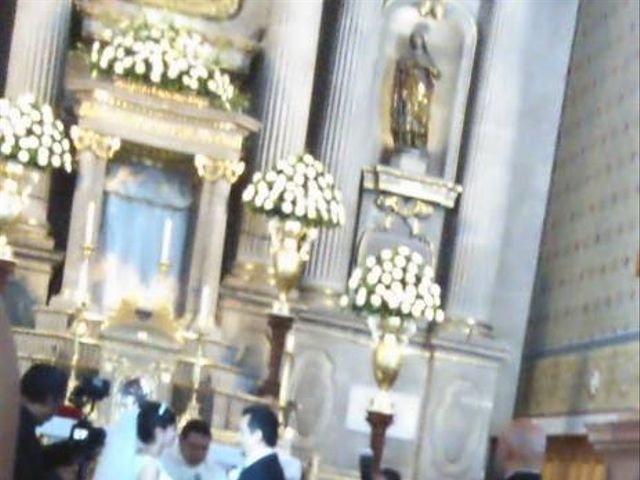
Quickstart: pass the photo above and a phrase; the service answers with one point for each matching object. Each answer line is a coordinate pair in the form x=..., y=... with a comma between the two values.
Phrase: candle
x=88, y=232
x=166, y=241
x=205, y=300
x=290, y=343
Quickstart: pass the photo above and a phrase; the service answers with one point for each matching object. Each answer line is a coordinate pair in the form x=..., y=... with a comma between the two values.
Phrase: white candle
x=290, y=343
x=205, y=299
x=88, y=232
x=166, y=241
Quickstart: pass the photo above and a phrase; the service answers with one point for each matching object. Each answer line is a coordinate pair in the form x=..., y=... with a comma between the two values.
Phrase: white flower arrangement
x=31, y=135
x=396, y=290
x=297, y=188
x=167, y=56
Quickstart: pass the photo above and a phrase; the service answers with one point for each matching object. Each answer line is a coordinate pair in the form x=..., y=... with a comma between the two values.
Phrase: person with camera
x=42, y=390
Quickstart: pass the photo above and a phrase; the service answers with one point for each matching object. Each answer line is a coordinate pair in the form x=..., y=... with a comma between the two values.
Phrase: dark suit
x=267, y=468
x=525, y=476
x=29, y=462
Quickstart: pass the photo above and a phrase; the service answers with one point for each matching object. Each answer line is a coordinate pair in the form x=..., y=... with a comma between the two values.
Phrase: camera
x=86, y=440
x=88, y=392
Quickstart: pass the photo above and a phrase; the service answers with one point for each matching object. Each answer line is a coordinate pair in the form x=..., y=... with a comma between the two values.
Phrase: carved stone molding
x=312, y=388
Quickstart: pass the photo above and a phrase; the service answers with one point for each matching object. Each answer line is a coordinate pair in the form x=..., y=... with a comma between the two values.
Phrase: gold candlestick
x=193, y=408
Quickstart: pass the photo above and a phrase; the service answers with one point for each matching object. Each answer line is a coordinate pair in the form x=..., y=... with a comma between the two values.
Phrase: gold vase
x=290, y=248
x=16, y=183
x=388, y=356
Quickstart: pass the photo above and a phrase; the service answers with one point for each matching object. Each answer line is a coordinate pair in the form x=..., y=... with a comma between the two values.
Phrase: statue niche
x=414, y=83
x=425, y=67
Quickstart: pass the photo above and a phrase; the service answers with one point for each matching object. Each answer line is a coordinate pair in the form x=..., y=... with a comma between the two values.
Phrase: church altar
x=144, y=297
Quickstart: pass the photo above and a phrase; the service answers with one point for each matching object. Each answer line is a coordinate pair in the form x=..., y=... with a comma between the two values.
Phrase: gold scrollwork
x=212, y=169
x=216, y=9
x=102, y=145
x=410, y=211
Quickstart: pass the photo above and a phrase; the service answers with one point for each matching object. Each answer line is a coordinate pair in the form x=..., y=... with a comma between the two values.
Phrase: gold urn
x=290, y=248
x=388, y=356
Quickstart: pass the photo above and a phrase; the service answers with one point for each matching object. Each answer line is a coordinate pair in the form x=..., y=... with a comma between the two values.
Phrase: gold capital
x=102, y=145
x=212, y=169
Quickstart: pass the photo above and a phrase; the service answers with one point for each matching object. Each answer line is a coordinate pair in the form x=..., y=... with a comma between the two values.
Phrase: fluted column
x=286, y=80
x=93, y=153
x=208, y=246
x=346, y=139
x=36, y=63
x=38, y=48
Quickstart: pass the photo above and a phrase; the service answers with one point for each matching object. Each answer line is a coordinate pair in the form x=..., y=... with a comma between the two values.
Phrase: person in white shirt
x=187, y=460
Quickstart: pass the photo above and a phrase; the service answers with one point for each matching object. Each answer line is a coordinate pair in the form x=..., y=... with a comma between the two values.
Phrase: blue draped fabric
x=139, y=199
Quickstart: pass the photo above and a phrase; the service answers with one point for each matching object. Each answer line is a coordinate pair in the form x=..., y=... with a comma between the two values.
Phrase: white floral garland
x=297, y=188
x=31, y=135
x=167, y=56
x=396, y=286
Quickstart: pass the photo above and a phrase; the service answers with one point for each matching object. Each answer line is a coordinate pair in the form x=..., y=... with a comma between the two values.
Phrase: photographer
x=42, y=390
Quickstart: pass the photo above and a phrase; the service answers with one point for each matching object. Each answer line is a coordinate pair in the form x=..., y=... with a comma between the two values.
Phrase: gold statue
x=414, y=81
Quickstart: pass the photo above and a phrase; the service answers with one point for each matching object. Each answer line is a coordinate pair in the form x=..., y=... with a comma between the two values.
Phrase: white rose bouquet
x=298, y=188
x=396, y=290
x=31, y=135
x=167, y=56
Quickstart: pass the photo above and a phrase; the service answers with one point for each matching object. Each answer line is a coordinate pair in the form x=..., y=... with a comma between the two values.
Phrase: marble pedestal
x=444, y=394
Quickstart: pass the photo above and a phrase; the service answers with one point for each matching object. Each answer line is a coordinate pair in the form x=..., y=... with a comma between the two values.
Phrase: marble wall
x=583, y=349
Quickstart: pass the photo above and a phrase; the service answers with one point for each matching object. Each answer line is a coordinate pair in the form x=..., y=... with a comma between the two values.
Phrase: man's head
x=43, y=388
x=195, y=439
x=521, y=446
x=258, y=429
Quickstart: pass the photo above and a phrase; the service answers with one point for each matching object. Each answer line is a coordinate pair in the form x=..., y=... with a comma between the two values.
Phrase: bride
x=135, y=443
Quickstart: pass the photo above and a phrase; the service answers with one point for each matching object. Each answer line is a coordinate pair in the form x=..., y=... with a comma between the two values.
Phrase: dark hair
x=196, y=426
x=262, y=418
x=390, y=474
x=43, y=381
x=153, y=415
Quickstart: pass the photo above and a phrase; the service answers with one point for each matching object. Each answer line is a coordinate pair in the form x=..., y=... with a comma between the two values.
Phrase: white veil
x=117, y=460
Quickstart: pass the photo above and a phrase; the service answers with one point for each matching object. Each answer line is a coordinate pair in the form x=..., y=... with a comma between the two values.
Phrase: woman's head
x=156, y=425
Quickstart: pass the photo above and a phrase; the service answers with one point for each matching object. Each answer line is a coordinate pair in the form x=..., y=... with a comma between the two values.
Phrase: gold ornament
x=212, y=170
x=290, y=249
x=103, y=146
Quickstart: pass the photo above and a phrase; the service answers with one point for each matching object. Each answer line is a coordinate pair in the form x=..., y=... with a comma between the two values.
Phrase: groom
x=259, y=435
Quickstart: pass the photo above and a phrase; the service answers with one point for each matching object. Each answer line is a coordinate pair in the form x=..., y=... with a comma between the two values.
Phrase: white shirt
x=178, y=469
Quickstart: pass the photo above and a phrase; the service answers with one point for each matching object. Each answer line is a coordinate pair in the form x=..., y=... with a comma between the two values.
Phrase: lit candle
x=166, y=241
x=88, y=232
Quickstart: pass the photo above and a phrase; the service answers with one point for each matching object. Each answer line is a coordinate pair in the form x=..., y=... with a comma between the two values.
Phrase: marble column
x=36, y=63
x=38, y=48
x=512, y=132
x=208, y=247
x=286, y=80
x=93, y=153
x=346, y=139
